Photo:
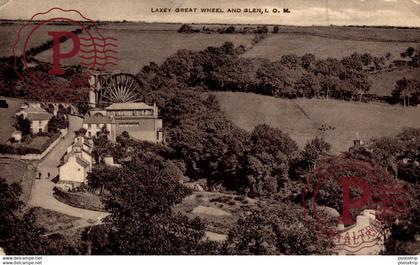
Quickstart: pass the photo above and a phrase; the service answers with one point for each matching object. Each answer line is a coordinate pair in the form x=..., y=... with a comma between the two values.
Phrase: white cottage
x=76, y=164
x=73, y=172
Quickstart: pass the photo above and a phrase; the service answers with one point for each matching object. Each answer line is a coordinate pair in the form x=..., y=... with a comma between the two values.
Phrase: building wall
x=72, y=171
x=37, y=125
x=145, y=129
x=95, y=128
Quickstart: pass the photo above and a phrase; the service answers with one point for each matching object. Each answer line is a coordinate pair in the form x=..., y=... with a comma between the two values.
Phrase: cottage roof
x=79, y=160
x=82, y=162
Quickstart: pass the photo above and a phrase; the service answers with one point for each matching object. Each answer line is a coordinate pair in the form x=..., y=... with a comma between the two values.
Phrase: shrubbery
x=25, y=150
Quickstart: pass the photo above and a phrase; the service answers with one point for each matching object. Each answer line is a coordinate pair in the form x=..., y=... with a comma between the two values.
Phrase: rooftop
x=129, y=106
x=82, y=162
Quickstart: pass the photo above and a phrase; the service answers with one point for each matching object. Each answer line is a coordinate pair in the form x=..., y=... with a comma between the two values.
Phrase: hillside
x=141, y=43
x=303, y=119
x=138, y=46
x=8, y=118
x=9, y=33
x=276, y=45
x=384, y=82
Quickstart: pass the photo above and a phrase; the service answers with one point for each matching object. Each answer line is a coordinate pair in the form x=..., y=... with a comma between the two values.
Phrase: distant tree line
x=49, y=43
x=186, y=28
x=223, y=69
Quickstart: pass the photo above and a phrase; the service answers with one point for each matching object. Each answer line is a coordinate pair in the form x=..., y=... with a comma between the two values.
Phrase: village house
x=38, y=116
x=140, y=120
x=96, y=123
x=77, y=163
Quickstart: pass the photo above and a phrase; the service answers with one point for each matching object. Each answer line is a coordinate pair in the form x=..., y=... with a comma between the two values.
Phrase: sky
x=303, y=12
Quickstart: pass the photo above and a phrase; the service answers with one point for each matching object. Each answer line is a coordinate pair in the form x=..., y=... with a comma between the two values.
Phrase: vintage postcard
x=194, y=127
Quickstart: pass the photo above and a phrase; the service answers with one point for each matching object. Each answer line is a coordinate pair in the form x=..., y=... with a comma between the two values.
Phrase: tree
x=353, y=83
x=290, y=60
x=276, y=29
x=140, y=199
x=230, y=29
x=308, y=85
x=262, y=29
x=278, y=229
x=367, y=59
x=379, y=62
x=235, y=75
x=101, y=145
x=328, y=85
x=410, y=51
x=404, y=231
x=56, y=123
x=354, y=61
x=266, y=161
x=313, y=149
x=274, y=79
x=308, y=157
x=20, y=235
x=82, y=107
x=81, y=132
x=185, y=28
x=406, y=89
x=308, y=60
x=330, y=170
x=24, y=125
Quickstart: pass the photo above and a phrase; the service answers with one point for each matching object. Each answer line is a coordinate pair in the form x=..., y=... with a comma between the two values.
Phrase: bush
x=44, y=134
x=24, y=150
x=82, y=200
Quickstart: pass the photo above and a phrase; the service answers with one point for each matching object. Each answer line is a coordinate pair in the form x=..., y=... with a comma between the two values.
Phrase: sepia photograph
x=194, y=128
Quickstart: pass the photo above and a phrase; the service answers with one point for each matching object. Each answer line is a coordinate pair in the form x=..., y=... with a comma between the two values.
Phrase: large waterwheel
x=118, y=88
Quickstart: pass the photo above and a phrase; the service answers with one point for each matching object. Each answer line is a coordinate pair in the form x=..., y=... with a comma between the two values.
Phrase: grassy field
x=383, y=83
x=138, y=46
x=141, y=43
x=302, y=119
x=7, y=119
x=357, y=33
x=9, y=33
x=53, y=221
x=20, y=172
x=276, y=45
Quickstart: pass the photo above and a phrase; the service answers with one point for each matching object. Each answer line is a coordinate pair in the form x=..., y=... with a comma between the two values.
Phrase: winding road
x=42, y=189
x=50, y=162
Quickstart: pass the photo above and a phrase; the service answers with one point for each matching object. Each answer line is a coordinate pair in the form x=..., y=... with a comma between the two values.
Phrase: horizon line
x=224, y=23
